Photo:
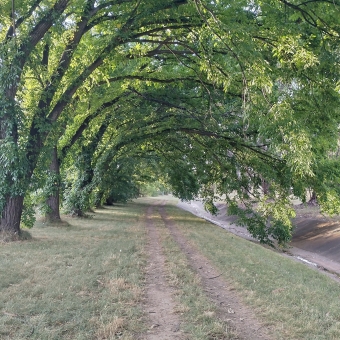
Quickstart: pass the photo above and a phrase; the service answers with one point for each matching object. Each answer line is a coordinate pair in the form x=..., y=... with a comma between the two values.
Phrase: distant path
x=316, y=242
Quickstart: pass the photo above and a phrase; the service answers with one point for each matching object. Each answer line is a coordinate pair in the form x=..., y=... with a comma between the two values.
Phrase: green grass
x=294, y=300
x=86, y=280
x=82, y=281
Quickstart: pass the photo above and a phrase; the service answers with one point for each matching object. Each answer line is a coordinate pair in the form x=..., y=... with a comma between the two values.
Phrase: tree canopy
x=235, y=98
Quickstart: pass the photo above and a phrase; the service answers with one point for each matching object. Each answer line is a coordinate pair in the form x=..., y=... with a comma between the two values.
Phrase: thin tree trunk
x=109, y=201
x=313, y=200
x=53, y=201
x=13, y=207
x=11, y=215
x=98, y=199
x=265, y=187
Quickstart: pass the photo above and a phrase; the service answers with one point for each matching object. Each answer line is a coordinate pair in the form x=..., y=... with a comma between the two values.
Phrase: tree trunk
x=313, y=199
x=11, y=215
x=53, y=213
x=265, y=187
x=109, y=201
x=98, y=199
x=13, y=207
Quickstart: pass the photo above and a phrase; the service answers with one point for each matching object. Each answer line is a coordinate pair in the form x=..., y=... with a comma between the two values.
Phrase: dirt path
x=164, y=324
x=229, y=306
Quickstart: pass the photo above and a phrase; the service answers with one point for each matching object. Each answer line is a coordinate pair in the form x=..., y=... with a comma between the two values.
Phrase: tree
x=249, y=88
x=43, y=65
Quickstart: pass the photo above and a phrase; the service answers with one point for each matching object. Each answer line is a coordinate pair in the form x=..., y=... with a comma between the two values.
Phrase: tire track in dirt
x=164, y=324
x=229, y=306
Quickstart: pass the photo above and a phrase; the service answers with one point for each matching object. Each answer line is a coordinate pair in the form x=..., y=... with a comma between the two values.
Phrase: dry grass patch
x=111, y=330
x=117, y=285
x=120, y=285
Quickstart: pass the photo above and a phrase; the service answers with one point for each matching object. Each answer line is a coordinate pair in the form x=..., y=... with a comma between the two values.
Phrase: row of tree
x=99, y=96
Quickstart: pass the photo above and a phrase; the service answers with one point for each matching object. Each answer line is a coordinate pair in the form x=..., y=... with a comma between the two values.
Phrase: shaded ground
x=316, y=240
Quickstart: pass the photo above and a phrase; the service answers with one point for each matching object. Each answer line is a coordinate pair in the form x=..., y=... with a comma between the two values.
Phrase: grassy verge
x=85, y=281
x=295, y=301
x=82, y=281
x=196, y=312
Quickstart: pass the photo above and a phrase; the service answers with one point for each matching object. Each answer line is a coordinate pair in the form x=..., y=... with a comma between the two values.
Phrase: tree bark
x=53, y=201
x=109, y=201
x=98, y=199
x=313, y=199
x=13, y=207
x=265, y=187
x=11, y=215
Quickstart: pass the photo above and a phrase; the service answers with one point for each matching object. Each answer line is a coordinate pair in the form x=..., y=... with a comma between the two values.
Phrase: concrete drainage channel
x=322, y=264
x=305, y=261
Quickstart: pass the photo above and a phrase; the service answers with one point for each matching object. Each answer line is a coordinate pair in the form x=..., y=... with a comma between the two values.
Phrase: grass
x=294, y=300
x=82, y=281
x=9, y=237
x=85, y=280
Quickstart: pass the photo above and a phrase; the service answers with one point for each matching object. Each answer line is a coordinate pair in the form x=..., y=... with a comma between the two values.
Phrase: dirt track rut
x=229, y=306
x=164, y=323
